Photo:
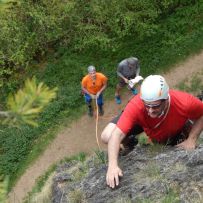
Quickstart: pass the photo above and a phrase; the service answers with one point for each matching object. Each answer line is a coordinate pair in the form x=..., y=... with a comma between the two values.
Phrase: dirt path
x=81, y=135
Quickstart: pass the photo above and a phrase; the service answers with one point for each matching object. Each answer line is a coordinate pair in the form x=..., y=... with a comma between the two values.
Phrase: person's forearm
x=138, y=71
x=120, y=75
x=102, y=89
x=113, y=149
x=196, y=129
x=114, y=146
x=85, y=90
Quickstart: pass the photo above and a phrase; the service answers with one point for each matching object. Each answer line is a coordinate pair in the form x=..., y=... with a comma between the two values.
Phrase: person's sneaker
x=128, y=144
x=101, y=111
x=118, y=99
x=125, y=151
x=90, y=111
x=134, y=91
x=200, y=96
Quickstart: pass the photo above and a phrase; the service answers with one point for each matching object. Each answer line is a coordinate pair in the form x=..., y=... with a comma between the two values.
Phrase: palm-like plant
x=27, y=103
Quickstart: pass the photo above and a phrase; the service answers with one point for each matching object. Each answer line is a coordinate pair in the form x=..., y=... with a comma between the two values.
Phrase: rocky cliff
x=151, y=174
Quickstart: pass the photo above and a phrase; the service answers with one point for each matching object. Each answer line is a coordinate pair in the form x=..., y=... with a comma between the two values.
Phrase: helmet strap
x=161, y=121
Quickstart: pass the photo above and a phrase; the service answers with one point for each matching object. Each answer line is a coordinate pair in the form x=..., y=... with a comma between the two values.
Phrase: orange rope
x=97, y=119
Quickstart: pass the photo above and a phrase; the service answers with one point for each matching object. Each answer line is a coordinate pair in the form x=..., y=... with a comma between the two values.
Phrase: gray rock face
x=151, y=174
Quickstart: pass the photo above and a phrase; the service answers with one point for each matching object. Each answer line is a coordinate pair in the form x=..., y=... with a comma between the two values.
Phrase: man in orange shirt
x=93, y=84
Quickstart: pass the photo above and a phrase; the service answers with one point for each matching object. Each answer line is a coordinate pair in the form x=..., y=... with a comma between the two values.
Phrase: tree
x=24, y=108
x=27, y=103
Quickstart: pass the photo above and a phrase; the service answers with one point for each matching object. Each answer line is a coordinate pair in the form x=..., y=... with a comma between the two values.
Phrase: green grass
x=40, y=144
x=41, y=181
x=40, y=184
x=193, y=84
x=172, y=196
x=76, y=196
x=100, y=157
x=151, y=173
x=152, y=170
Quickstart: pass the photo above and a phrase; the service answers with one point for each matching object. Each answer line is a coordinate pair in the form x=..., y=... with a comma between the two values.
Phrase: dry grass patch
x=76, y=196
x=45, y=195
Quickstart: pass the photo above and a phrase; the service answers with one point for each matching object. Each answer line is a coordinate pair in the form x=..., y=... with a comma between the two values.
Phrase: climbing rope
x=96, y=108
x=97, y=119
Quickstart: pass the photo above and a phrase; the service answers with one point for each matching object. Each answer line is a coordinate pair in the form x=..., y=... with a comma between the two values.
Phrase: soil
x=81, y=136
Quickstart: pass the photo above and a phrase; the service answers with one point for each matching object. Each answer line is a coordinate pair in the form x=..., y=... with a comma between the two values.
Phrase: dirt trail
x=80, y=136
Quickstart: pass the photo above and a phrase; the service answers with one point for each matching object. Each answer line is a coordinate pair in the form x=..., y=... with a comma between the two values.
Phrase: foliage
x=76, y=196
x=192, y=84
x=101, y=156
x=103, y=23
x=28, y=102
x=143, y=139
x=35, y=27
x=79, y=157
x=80, y=173
x=42, y=180
x=152, y=171
x=3, y=188
x=27, y=32
x=171, y=196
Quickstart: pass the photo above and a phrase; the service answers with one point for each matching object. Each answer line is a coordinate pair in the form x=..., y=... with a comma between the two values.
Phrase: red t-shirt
x=183, y=106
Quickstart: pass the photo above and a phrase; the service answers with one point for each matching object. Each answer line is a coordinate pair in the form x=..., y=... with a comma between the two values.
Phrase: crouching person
x=167, y=116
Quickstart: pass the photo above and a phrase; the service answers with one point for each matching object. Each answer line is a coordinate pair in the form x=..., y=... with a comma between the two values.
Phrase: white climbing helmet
x=154, y=88
x=91, y=69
